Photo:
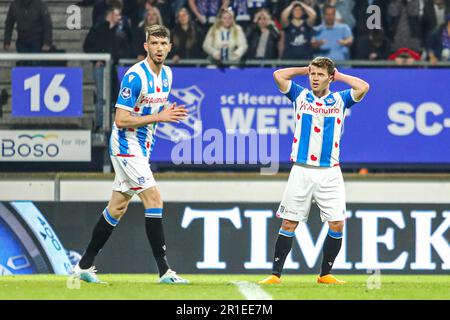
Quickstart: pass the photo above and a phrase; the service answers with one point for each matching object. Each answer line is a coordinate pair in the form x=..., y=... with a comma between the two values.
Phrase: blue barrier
x=403, y=119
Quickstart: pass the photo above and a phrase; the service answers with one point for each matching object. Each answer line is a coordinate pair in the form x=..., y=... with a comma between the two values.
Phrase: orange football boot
x=272, y=279
x=329, y=279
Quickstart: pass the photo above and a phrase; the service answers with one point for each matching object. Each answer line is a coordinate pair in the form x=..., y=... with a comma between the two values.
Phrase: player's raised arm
x=359, y=86
x=283, y=77
x=125, y=119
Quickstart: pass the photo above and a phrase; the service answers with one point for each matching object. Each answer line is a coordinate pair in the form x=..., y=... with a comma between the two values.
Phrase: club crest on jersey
x=141, y=181
x=126, y=93
x=330, y=101
x=189, y=128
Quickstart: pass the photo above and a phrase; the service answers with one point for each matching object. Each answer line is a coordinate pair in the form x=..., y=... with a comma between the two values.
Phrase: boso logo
x=27, y=145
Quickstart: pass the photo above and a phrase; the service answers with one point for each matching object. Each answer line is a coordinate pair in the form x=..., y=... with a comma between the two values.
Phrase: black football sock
x=282, y=248
x=330, y=251
x=100, y=235
x=155, y=235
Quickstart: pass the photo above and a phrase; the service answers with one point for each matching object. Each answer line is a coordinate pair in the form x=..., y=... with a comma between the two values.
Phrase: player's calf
x=331, y=246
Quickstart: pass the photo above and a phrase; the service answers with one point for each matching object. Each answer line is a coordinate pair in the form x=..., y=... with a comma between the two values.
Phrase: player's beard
x=157, y=61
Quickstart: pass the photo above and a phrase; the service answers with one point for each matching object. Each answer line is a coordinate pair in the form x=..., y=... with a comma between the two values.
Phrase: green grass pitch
x=221, y=287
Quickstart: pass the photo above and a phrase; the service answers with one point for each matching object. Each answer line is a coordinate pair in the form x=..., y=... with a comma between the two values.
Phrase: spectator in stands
x=373, y=46
x=404, y=56
x=279, y=6
x=225, y=40
x=344, y=11
x=244, y=11
x=165, y=9
x=404, y=25
x=438, y=43
x=434, y=13
x=100, y=11
x=106, y=37
x=34, y=26
x=186, y=38
x=263, y=37
x=298, y=20
x=152, y=16
x=332, y=39
x=205, y=11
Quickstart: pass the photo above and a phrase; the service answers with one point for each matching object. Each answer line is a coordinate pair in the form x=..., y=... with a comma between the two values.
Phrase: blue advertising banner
x=47, y=92
x=239, y=116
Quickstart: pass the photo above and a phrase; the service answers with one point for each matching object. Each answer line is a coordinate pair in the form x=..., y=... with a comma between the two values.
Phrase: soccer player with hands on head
x=315, y=175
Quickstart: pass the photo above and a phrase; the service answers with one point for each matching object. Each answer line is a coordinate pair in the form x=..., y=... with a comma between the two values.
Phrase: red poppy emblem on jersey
x=313, y=158
x=338, y=121
x=319, y=104
x=336, y=144
x=316, y=129
x=158, y=89
x=295, y=140
x=136, y=109
x=130, y=129
x=298, y=116
x=148, y=144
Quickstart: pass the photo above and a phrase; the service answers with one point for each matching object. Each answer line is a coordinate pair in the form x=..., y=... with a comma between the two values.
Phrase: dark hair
x=328, y=6
x=114, y=5
x=157, y=30
x=110, y=9
x=191, y=31
x=324, y=63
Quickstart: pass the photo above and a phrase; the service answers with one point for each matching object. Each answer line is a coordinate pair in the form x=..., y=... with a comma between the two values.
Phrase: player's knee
x=288, y=225
x=156, y=200
x=337, y=226
x=118, y=211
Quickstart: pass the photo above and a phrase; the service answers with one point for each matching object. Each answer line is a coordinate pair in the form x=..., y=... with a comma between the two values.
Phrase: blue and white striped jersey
x=318, y=125
x=142, y=92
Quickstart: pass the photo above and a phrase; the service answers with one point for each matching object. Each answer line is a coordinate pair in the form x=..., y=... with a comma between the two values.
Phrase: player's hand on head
x=335, y=74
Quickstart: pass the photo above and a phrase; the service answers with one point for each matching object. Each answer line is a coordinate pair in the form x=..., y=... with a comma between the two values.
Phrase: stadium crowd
x=235, y=30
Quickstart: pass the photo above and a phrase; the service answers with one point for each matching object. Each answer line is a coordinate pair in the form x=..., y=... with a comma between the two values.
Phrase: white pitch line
x=252, y=291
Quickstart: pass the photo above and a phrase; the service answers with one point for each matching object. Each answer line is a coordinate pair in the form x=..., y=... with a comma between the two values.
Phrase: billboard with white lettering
x=240, y=238
x=238, y=116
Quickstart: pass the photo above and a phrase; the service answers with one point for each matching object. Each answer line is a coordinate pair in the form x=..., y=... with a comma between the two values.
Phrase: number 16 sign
x=47, y=92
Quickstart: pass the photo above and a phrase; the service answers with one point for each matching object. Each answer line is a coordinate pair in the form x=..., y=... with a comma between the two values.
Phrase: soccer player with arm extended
x=140, y=107
x=315, y=175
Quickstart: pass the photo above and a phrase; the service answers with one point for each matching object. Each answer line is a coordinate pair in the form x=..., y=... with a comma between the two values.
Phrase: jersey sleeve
x=348, y=98
x=293, y=91
x=130, y=90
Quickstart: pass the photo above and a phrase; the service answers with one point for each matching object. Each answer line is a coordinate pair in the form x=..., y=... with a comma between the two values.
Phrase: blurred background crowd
x=235, y=30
